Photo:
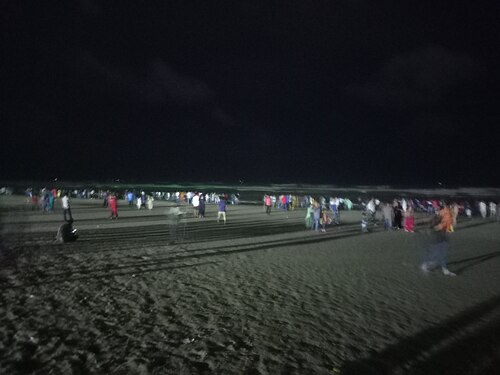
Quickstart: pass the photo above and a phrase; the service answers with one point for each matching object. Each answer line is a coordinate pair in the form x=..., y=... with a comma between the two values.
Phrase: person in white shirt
x=196, y=204
x=482, y=209
x=66, y=208
x=149, y=202
x=493, y=210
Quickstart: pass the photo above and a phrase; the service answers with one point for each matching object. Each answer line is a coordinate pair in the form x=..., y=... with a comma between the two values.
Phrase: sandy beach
x=259, y=295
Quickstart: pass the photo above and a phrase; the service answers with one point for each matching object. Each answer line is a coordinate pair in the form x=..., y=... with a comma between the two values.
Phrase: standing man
x=66, y=208
x=222, y=209
x=130, y=198
x=105, y=199
x=201, y=209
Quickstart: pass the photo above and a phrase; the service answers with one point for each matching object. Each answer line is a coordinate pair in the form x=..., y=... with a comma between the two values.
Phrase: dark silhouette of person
x=67, y=233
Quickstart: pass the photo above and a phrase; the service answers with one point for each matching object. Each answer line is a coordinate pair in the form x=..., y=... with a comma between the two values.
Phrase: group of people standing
x=322, y=214
x=141, y=200
x=395, y=217
x=198, y=201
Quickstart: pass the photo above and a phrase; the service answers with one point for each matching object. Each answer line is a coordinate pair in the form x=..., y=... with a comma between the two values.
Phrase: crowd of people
x=320, y=212
x=399, y=214
x=290, y=202
x=395, y=214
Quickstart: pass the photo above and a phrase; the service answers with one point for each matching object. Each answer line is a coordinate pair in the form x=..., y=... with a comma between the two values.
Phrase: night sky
x=334, y=92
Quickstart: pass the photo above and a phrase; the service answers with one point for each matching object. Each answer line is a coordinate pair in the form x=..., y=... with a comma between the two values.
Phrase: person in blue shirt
x=222, y=210
x=130, y=198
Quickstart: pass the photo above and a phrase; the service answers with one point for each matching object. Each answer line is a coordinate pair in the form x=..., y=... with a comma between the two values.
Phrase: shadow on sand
x=468, y=343
x=473, y=261
x=170, y=261
x=170, y=258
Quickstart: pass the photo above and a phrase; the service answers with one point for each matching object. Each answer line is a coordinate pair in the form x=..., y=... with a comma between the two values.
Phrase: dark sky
x=338, y=92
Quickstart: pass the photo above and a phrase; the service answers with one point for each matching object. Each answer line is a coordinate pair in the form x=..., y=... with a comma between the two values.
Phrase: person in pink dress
x=409, y=219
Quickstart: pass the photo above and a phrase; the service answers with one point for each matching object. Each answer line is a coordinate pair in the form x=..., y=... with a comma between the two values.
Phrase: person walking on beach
x=66, y=208
x=268, y=203
x=437, y=252
x=222, y=210
x=113, y=206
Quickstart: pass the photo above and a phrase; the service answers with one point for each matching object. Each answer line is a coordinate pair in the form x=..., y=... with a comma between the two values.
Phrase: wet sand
x=259, y=295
